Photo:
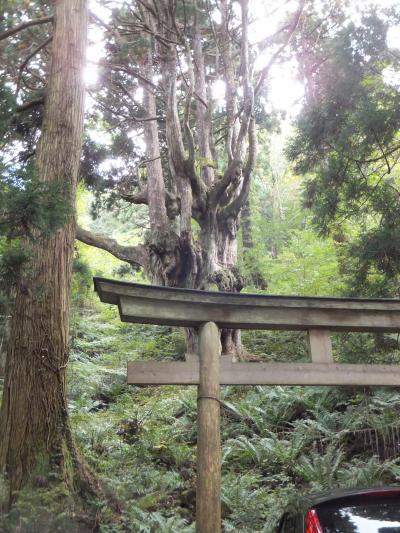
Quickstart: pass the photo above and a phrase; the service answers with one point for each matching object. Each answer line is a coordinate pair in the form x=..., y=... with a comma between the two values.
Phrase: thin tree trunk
x=247, y=234
x=34, y=419
x=202, y=113
x=255, y=276
x=155, y=182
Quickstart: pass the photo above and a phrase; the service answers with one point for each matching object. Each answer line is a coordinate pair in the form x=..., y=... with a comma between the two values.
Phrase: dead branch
x=127, y=70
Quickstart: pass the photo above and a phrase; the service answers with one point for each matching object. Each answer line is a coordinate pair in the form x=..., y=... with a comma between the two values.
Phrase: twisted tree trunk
x=207, y=156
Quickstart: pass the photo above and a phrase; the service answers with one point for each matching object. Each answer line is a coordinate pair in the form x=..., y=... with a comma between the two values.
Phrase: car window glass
x=361, y=515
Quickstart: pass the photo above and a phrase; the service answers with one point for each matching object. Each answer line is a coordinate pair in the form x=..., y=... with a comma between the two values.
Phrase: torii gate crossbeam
x=210, y=311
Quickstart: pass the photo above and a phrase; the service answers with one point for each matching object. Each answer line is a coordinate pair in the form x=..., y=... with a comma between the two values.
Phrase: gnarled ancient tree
x=164, y=59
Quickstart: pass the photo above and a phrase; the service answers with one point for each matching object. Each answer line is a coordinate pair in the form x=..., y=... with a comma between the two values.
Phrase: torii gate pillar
x=210, y=311
x=208, y=500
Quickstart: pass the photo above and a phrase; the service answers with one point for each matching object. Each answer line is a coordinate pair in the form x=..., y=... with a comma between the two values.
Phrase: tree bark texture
x=34, y=427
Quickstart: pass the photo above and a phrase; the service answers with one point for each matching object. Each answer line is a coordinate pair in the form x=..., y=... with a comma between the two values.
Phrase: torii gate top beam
x=185, y=307
x=210, y=369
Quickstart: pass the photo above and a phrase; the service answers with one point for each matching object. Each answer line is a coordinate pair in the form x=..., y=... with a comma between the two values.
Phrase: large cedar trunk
x=34, y=426
x=219, y=251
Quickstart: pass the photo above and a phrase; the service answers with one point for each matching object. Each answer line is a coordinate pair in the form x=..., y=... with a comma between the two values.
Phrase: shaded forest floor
x=277, y=441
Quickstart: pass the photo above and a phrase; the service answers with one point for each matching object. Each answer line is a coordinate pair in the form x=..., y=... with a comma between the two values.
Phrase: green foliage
x=30, y=206
x=30, y=209
x=346, y=144
x=286, y=255
x=320, y=471
x=13, y=257
x=306, y=265
x=276, y=345
x=82, y=281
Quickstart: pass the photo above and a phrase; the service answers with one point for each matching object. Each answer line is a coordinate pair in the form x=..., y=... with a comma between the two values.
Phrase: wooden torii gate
x=210, y=311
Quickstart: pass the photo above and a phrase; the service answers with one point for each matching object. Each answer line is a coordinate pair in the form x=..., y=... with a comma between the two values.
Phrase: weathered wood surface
x=163, y=373
x=182, y=307
x=208, y=496
x=187, y=373
x=320, y=346
x=112, y=289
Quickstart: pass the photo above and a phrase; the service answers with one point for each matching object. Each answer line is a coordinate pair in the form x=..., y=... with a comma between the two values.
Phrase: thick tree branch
x=248, y=92
x=138, y=198
x=135, y=255
x=155, y=174
x=140, y=194
x=29, y=57
x=233, y=209
x=203, y=116
x=173, y=126
x=23, y=26
x=229, y=77
x=252, y=152
x=188, y=103
x=196, y=182
x=231, y=174
x=29, y=105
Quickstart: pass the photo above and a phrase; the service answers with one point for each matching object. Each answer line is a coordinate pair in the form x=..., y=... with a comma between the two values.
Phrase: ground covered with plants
x=277, y=442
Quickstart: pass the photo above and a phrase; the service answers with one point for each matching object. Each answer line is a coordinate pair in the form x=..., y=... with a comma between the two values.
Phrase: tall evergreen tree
x=34, y=423
x=347, y=143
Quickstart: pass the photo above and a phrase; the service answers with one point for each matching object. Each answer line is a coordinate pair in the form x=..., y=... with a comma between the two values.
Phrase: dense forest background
x=227, y=145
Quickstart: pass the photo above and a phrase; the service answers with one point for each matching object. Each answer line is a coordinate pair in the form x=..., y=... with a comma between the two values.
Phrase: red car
x=345, y=511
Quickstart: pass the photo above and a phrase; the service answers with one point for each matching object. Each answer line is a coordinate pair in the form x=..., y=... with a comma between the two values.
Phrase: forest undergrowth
x=277, y=442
